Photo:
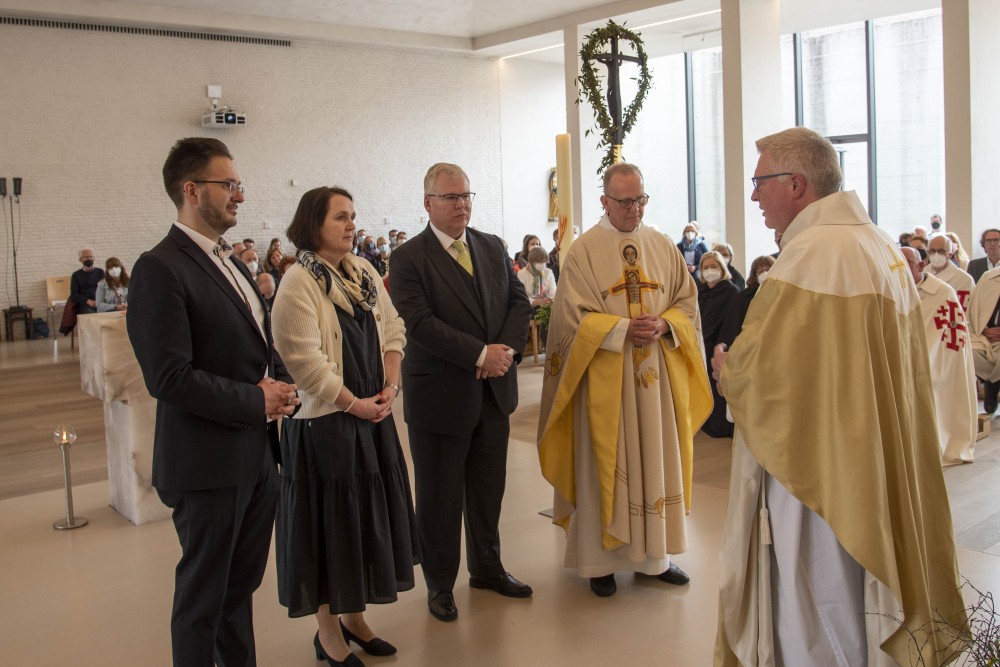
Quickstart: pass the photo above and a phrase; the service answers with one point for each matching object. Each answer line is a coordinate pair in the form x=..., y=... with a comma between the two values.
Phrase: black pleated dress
x=345, y=529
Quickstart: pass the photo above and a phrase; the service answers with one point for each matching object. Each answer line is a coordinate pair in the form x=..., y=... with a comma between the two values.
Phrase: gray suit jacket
x=977, y=268
x=447, y=327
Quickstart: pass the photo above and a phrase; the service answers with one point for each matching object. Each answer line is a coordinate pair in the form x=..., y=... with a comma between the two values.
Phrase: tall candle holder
x=65, y=436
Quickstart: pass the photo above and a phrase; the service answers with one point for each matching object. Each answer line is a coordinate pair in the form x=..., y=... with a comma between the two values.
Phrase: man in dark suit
x=466, y=316
x=202, y=336
x=990, y=241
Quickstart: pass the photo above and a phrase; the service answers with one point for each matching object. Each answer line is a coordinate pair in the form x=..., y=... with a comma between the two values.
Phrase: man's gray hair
x=83, y=250
x=623, y=168
x=799, y=150
x=442, y=168
x=948, y=245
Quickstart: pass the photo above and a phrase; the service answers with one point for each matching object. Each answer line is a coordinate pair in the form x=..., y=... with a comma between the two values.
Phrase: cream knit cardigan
x=307, y=335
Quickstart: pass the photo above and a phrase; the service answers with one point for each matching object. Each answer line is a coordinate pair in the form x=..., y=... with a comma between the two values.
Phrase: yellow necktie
x=464, y=258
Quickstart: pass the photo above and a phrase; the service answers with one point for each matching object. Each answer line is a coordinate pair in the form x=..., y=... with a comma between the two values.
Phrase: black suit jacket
x=447, y=327
x=202, y=355
x=977, y=268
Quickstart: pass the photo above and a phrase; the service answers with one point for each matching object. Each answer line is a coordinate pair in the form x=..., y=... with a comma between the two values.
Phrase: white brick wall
x=87, y=119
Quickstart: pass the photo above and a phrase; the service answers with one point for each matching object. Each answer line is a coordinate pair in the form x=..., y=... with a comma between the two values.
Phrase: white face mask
x=762, y=276
x=729, y=260
x=252, y=266
x=115, y=271
x=689, y=236
x=711, y=276
x=539, y=267
x=938, y=261
x=384, y=247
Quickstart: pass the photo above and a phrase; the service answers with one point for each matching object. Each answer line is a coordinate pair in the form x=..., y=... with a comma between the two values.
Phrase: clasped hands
x=279, y=398
x=499, y=358
x=719, y=355
x=992, y=334
x=375, y=408
x=646, y=329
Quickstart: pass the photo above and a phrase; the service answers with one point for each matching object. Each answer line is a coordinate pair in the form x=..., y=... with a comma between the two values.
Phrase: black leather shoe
x=990, y=398
x=604, y=586
x=674, y=575
x=504, y=584
x=442, y=605
x=376, y=646
x=350, y=661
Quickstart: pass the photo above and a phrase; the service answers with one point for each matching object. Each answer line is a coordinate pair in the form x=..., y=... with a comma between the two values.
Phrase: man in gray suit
x=467, y=317
x=990, y=241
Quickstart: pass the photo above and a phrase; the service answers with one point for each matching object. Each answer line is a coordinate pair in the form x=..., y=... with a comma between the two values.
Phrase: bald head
x=913, y=261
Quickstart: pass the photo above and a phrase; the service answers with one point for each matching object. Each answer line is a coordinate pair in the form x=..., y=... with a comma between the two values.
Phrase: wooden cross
x=613, y=61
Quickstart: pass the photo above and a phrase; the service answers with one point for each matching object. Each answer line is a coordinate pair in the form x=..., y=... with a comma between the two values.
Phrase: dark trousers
x=456, y=474
x=225, y=536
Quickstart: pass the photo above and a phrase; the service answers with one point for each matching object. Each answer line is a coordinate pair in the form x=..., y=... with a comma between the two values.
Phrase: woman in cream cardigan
x=345, y=531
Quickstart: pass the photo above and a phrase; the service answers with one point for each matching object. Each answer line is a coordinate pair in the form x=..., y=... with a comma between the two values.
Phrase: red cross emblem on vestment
x=952, y=321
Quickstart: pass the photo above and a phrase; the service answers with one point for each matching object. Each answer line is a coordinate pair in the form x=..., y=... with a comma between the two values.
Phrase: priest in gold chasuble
x=838, y=517
x=624, y=391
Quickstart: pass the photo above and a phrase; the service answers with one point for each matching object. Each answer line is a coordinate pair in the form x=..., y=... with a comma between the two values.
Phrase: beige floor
x=100, y=595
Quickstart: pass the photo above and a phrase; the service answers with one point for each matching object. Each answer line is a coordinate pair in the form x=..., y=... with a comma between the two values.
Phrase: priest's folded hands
x=646, y=329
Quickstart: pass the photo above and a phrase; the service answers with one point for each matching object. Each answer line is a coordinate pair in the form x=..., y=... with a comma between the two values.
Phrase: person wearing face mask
x=370, y=252
x=715, y=297
x=959, y=257
x=249, y=257
x=726, y=251
x=952, y=368
x=537, y=278
x=733, y=322
x=692, y=247
x=938, y=251
x=84, y=282
x=112, y=292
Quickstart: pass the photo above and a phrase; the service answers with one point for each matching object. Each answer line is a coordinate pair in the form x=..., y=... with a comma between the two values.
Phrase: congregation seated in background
x=521, y=258
x=726, y=251
x=84, y=282
x=112, y=292
x=538, y=280
x=692, y=247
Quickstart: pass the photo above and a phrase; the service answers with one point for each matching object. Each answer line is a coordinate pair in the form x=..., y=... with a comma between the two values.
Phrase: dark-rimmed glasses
x=757, y=179
x=453, y=198
x=629, y=203
x=232, y=186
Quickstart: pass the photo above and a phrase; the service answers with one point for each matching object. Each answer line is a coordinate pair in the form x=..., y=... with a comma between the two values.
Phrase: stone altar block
x=109, y=371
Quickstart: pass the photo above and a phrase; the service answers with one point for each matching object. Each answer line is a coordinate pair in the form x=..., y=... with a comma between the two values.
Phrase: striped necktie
x=464, y=258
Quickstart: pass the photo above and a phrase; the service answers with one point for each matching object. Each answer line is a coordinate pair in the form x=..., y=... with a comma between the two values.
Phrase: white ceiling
x=483, y=27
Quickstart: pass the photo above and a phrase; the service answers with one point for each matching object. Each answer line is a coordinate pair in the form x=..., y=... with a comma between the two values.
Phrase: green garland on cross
x=590, y=83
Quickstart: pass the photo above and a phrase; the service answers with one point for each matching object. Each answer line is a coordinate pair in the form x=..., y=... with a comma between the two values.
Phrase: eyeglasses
x=942, y=251
x=991, y=241
x=629, y=203
x=232, y=186
x=757, y=179
x=464, y=197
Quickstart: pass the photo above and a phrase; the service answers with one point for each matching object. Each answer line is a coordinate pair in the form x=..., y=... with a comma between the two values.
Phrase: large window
x=909, y=120
x=657, y=144
x=706, y=89
x=904, y=127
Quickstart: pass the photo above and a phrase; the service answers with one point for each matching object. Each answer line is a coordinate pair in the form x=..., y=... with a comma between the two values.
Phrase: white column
x=971, y=98
x=751, y=90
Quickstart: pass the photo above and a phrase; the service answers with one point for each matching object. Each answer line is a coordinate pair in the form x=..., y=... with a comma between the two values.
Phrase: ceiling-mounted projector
x=223, y=118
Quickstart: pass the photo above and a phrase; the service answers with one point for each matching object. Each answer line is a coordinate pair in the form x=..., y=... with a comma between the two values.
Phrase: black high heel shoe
x=350, y=661
x=376, y=646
